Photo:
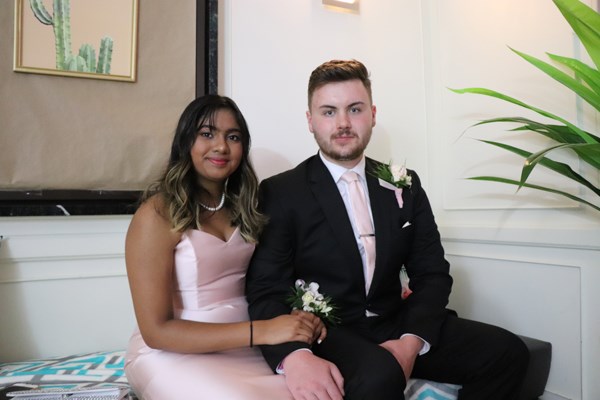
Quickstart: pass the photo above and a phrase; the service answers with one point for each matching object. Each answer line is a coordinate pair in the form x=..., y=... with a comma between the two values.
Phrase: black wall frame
x=103, y=202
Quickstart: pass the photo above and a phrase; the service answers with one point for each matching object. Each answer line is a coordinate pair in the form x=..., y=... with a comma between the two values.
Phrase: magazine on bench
x=104, y=392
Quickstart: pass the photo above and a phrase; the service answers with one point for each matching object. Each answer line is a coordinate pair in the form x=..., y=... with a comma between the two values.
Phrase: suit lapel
x=328, y=196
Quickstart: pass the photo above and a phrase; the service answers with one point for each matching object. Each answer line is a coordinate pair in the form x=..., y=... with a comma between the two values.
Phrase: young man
x=321, y=231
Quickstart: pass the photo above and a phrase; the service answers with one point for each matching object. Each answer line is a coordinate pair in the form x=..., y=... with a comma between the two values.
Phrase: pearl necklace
x=218, y=207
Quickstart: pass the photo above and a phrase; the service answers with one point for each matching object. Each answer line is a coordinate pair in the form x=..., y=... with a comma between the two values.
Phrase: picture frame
x=94, y=39
x=52, y=202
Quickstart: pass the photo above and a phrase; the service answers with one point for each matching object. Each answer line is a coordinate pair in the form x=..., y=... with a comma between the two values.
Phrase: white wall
x=270, y=48
x=526, y=262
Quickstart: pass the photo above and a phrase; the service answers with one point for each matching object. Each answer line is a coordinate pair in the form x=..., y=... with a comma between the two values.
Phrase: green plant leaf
x=537, y=187
x=535, y=158
x=582, y=71
x=588, y=152
x=590, y=158
x=586, y=24
x=492, y=93
x=592, y=150
x=591, y=153
x=558, y=133
x=576, y=86
x=561, y=168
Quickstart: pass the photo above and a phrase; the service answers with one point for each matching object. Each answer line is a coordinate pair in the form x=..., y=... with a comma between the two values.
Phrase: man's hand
x=310, y=377
x=405, y=350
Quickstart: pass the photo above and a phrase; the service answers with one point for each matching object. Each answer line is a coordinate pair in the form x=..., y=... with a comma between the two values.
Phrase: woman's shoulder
x=152, y=217
x=153, y=208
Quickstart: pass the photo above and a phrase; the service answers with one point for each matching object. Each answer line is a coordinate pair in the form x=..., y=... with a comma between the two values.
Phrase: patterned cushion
x=99, y=367
x=107, y=368
x=420, y=389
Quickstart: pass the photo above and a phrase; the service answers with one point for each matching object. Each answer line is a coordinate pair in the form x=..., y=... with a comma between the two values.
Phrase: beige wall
x=73, y=133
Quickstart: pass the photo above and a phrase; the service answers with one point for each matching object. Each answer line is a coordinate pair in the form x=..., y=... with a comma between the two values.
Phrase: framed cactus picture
x=79, y=38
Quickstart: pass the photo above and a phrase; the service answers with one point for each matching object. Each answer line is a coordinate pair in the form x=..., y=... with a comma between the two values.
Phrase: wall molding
x=45, y=256
x=510, y=257
x=61, y=277
x=63, y=268
x=579, y=238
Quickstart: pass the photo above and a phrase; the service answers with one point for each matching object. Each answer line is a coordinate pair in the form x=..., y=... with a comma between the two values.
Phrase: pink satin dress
x=209, y=278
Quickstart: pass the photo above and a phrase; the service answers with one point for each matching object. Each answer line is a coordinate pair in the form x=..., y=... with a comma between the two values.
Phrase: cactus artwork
x=60, y=20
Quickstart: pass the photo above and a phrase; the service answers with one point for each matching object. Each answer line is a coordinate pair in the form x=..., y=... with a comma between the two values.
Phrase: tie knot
x=350, y=176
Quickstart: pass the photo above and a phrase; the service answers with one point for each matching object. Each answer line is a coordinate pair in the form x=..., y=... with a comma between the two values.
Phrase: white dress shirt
x=336, y=172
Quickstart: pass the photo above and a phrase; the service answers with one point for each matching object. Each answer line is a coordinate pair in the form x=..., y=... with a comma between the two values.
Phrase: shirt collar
x=337, y=171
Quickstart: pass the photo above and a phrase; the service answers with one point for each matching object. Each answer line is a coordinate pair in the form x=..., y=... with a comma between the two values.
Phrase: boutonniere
x=404, y=281
x=306, y=297
x=394, y=177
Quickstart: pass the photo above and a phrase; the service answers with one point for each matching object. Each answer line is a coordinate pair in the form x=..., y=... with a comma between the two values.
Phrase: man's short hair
x=338, y=71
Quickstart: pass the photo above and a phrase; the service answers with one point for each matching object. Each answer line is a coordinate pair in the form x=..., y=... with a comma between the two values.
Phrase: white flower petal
x=307, y=298
x=396, y=171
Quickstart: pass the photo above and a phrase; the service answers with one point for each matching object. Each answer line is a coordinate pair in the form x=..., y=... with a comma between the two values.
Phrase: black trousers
x=489, y=362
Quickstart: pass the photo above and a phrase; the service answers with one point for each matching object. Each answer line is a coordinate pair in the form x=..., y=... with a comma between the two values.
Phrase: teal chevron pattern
x=420, y=389
x=105, y=367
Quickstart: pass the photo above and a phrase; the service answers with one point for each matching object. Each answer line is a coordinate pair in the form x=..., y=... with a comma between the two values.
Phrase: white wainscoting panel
x=535, y=288
x=535, y=300
x=63, y=286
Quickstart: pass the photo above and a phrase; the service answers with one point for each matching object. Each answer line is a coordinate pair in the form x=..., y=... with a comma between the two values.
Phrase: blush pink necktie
x=363, y=222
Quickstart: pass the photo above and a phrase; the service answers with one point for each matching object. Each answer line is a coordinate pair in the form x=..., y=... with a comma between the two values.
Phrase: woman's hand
x=320, y=331
x=299, y=326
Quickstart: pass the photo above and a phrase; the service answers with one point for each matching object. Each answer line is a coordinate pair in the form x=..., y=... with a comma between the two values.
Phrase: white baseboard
x=552, y=396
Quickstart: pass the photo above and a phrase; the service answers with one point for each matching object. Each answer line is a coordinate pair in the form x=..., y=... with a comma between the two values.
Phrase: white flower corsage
x=306, y=297
x=394, y=177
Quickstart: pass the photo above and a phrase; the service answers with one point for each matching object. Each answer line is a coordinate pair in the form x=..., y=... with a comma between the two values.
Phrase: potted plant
x=584, y=81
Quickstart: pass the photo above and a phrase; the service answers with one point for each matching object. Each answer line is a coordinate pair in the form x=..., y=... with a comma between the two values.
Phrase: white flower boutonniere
x=394, y=177
x=306, y=297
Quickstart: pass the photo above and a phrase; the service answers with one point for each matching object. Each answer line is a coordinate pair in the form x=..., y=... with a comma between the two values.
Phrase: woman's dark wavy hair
x=179, y=186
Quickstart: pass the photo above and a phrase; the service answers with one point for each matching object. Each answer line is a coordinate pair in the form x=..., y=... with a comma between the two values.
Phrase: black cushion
x=536, y=377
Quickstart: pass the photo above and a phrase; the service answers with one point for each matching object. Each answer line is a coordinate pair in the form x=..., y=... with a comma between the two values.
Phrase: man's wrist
x=425, y=345
x=280, y=367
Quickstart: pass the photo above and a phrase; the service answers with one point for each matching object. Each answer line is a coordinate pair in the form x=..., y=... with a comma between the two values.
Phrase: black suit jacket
x=309, y=236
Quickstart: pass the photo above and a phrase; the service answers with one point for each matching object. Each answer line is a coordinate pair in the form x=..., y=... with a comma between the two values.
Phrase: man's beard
x=347, y=153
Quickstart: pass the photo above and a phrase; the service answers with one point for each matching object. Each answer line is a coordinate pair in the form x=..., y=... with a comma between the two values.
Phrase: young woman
x=187, y=250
